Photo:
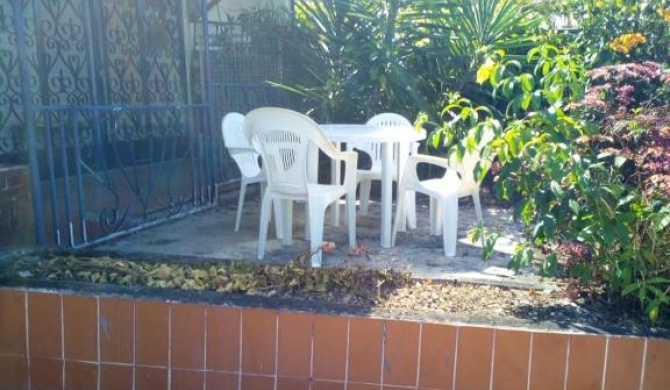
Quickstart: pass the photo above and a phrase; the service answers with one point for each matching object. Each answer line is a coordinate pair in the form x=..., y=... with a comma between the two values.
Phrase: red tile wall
x=68, y=342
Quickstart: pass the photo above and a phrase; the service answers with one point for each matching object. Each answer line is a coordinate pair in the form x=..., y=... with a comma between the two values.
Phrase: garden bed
x=355, y=291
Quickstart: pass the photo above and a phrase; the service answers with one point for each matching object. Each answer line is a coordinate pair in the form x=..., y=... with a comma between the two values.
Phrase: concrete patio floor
x=210, y=235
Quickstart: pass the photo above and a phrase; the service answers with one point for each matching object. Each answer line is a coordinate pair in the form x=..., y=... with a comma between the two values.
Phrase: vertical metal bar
x=181, y=16
x=80, y=182
x=52, y=180
x=93, y=60
x=191, y=136
x=142, y=39
x=66, y=173
x=24, y=66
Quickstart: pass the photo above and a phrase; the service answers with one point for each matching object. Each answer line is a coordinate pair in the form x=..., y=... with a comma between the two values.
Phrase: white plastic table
x=387, y=137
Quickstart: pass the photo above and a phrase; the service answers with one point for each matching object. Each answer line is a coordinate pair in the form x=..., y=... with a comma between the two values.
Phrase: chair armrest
x=414, y=160
x=350, y=163
x=241, y=150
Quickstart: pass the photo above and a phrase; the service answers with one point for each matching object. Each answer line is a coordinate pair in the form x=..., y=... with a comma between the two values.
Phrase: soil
x=358, y=291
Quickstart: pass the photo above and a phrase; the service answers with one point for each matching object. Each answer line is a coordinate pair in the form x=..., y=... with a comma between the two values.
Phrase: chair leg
x=351, y=218
x=435, y=210
x=478, y=206
x=399, y=215
x=365, y=196
x=449, y=225
x=266, y=212
x=316, y=212
x=240, y=203
x=411, y=210
x=286, y=206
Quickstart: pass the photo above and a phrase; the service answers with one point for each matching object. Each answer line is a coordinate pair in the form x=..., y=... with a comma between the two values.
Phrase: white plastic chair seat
x=443, y=193
x=286, y=139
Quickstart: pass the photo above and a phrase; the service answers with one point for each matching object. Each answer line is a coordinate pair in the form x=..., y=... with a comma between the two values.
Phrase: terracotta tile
x=12, y=323
x=401, y=353
x=292, y=384
x=362, y=386
x=221, y=381
x=510, y=363
x=117, y=330
x=44, y=328
x=151, y=378
x=113, y=377
x=46, y=374
x=187, y=379
x=188, y=336
x=325, y=385
x=14, y=371
x=474, y=354
x=259, y=334
x=251, y=382
x=295, y=345
x=586, y=361
x=365, y=350
x=80, y=328
x=81, y=376
x=657, y=373
x=330, y=347
x=624, y=363
x=223, y=338
x=438, y=349
x=547, y=367
x=151, y=333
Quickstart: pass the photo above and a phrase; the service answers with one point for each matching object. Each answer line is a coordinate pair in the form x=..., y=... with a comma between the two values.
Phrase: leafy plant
x=362, y=57
x=568, y=190
x=614, y=31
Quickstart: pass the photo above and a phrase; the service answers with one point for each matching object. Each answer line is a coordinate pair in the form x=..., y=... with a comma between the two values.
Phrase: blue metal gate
x=95, y=95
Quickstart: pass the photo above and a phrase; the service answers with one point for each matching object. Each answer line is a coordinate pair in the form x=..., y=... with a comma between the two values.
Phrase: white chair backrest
x=283, y=137
x=466, y=166
x=387, y=119
x=233, y=137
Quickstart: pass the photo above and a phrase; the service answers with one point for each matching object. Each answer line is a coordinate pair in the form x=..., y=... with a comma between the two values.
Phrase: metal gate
x=97, y=97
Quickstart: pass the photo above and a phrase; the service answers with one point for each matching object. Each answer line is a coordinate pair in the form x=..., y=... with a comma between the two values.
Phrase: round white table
x=387, y=137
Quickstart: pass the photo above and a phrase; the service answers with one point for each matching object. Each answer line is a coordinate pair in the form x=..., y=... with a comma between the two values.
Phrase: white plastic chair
x=373, y=150
x=443, y=193
x=244, y=155
x=469, y=183
x=286, y=139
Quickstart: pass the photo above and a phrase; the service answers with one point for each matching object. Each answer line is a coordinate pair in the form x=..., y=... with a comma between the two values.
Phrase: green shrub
x=574, y=195
x=615, y=31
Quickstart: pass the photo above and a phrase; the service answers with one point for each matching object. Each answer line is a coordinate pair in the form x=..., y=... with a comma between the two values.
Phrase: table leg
x=387, y=194
x=335, y=178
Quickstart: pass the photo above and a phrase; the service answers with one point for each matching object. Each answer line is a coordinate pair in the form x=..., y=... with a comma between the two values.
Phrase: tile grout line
x=276, y=349
x=239, y=355
x=204, y=358
x=346, y=362
x=530, y=359
x=453, y=375
x=493, y=357
x=97, y=330
x=567, y=366
x=134, y=341
x=643, y=371
x=607, y=348
x=27, y=319
x=169, y=363
x=418, y=356
x=381, y=375
x=311, y=352
x=62, y=336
